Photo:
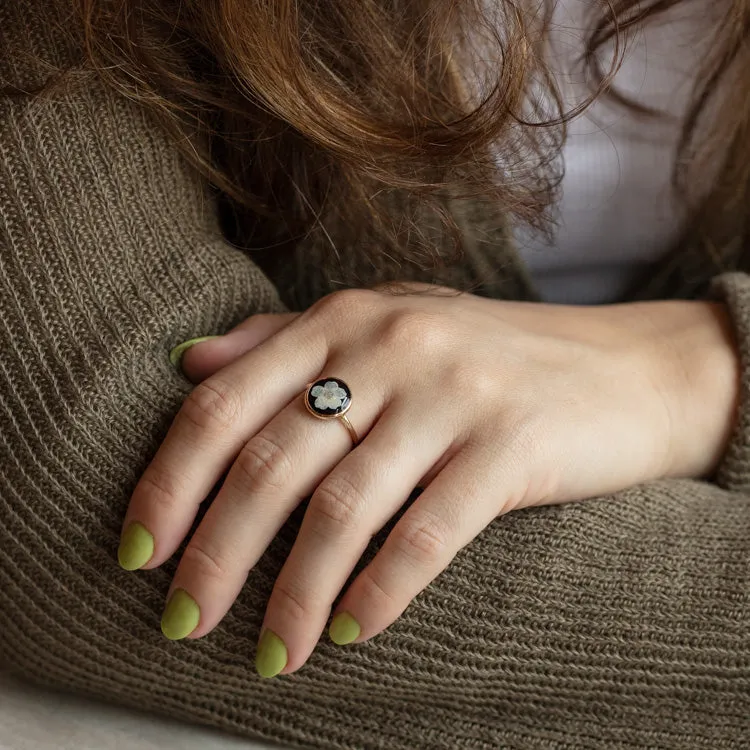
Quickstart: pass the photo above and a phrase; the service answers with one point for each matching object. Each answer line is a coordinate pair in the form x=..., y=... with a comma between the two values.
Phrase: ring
x=330, y=398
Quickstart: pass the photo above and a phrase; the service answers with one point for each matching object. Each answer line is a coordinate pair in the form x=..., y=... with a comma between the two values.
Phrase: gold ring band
x=350, y=427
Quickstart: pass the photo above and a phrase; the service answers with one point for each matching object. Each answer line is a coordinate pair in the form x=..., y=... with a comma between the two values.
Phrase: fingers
x=205, y=358
x=455, y=508
x=278, y=466
x=215, y=421
x=350, y=505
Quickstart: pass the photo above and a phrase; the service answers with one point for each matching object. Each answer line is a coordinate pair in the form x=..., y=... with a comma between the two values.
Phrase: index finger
x=215, y=421
x=200, y=361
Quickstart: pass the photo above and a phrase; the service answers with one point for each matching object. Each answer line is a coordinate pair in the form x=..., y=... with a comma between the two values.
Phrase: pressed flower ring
x=328, y=398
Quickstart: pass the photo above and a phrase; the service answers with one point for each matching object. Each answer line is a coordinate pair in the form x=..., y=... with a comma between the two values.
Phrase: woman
x=359, y=151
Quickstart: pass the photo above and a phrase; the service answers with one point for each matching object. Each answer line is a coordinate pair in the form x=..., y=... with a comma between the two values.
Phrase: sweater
x=616, y=622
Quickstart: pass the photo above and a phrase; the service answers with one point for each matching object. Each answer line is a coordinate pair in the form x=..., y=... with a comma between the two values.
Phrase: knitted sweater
x=618, y=622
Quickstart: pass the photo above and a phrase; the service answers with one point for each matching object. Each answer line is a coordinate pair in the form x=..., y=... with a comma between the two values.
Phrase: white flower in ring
x=328, y=396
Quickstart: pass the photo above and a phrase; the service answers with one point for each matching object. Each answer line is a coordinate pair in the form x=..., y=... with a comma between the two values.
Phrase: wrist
x=697, y=373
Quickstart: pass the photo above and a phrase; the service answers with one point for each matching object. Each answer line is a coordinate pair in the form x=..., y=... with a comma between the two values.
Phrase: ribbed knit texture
x=618, y=622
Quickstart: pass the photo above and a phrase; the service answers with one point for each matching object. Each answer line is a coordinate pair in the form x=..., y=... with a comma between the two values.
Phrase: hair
x=295, y=108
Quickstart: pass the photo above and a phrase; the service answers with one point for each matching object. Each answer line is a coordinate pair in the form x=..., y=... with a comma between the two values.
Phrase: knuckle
x=340, y=305
x=289, y=601
x=212, y=404
x=263, y=463
x=374, y=592
x=204, y=559
x=409, y=330
x=423, y=539
x=338, y=502
x=457, y=376
x=159, y=490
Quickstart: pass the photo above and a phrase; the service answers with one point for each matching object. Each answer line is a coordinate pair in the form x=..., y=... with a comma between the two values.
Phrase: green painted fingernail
x=344, y=629
x=136, y=547
x=181, y=616
x=271, y=657
x=175, y=356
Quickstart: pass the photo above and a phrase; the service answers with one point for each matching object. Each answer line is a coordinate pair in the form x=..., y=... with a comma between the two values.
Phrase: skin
x=488, y=405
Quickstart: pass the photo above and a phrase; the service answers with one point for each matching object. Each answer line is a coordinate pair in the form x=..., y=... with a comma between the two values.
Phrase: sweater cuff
x=733, y=289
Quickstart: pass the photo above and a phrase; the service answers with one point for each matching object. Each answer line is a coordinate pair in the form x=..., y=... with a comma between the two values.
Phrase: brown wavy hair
x=297, y=108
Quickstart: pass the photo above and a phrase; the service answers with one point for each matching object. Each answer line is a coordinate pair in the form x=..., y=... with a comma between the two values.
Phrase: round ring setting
x=330, y=398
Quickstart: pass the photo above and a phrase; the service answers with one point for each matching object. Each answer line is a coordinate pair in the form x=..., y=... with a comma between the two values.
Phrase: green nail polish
x=181, y=617
x=136, y=547
x=344, y=629
x=271, y=656
x=175, y=356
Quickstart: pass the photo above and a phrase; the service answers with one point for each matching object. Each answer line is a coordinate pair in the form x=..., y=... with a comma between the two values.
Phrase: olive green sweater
x=618, y=622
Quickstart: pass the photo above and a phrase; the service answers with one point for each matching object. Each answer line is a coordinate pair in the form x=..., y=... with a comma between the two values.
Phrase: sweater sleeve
x=618, y=622
x=734, y=290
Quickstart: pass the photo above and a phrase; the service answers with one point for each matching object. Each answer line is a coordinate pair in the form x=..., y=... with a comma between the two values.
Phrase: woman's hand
x=488, y=405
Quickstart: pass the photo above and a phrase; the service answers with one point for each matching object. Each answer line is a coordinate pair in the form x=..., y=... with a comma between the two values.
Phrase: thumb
x=201, y=357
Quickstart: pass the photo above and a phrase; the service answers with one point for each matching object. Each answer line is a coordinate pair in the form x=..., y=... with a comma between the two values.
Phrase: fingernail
x=175, y=356
x=271, y=656
x=181, y=616
x=136, y=547
x=344, y=629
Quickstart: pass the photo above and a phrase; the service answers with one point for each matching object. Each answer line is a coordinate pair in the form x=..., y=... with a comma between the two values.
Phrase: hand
x=488, y=405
